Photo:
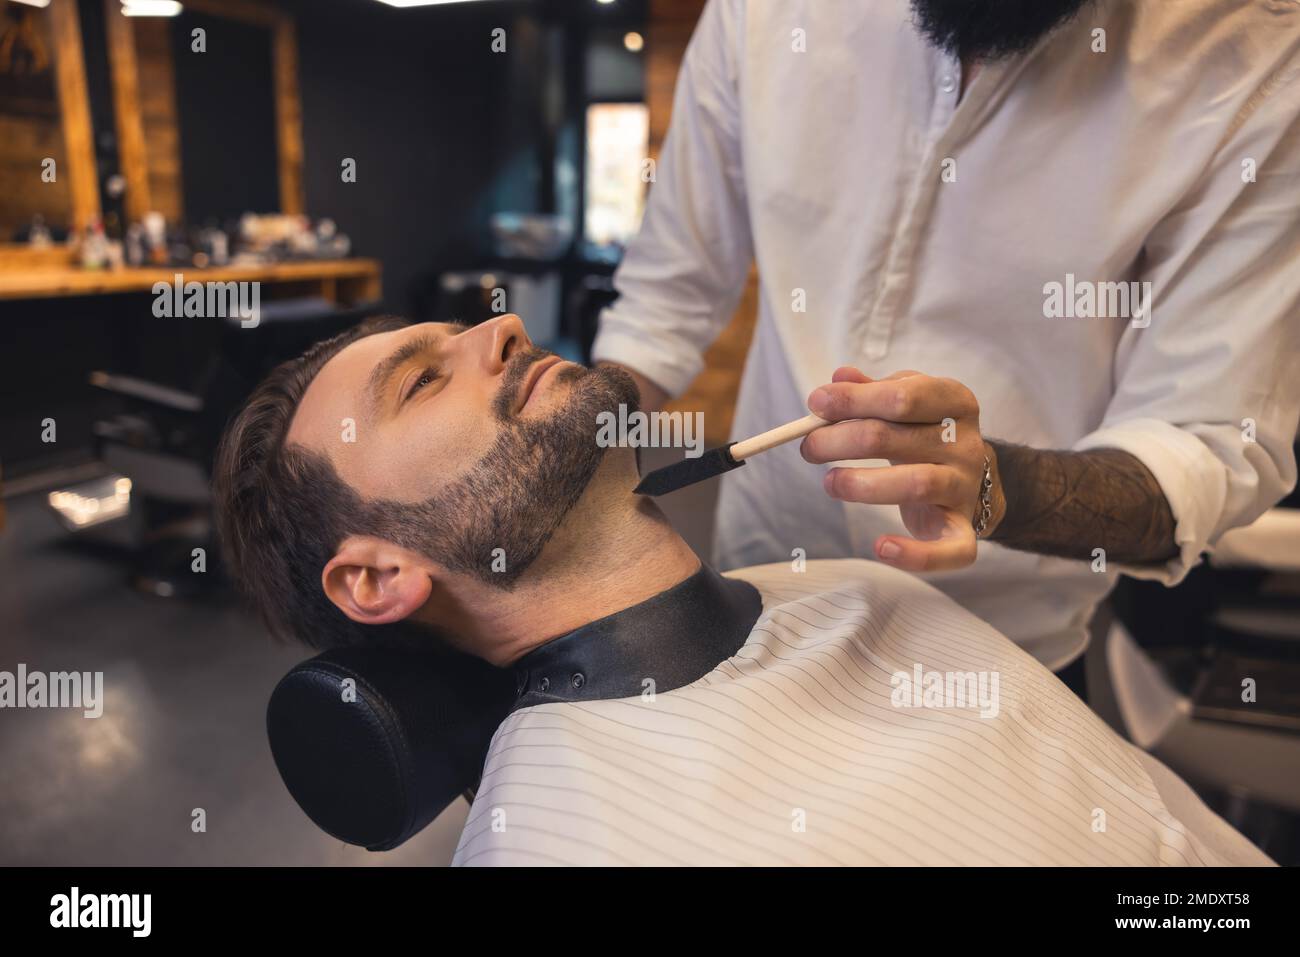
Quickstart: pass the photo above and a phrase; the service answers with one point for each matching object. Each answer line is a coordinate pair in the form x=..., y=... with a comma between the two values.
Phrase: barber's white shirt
x=814, y=137
x=805, y=747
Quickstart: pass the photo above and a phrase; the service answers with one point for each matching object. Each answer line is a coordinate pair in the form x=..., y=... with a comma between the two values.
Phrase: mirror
x=226, y=107
x=207, y=111
x=46, y=158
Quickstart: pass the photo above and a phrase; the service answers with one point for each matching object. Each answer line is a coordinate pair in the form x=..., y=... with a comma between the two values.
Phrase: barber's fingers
x=878, y=439
x=899, y=485
x=850, y=374
x=957, y=548
x=854, y=374
x=910, y=398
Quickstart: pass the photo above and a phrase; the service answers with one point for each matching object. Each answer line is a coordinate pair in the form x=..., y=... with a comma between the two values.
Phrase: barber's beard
x=519, y=493
x=990, y=29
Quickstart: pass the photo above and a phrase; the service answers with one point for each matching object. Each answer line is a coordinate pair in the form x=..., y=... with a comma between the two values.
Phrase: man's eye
x=427, y=377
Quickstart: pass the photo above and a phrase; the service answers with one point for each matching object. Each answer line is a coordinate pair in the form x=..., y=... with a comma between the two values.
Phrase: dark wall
x=414, y=96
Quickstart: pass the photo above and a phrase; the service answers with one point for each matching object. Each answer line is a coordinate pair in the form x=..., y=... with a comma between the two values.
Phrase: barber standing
x=1044, y=257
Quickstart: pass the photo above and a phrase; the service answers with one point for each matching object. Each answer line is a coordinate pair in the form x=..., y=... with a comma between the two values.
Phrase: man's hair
x=282, y=511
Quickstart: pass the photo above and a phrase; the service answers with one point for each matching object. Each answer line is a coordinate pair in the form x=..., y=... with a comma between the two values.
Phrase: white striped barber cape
x=806, y=748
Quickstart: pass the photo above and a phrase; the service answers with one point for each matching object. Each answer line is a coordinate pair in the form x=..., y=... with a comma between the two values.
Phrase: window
x=617, y=139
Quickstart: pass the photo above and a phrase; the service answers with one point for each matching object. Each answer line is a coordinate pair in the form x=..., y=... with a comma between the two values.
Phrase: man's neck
x=614, y=550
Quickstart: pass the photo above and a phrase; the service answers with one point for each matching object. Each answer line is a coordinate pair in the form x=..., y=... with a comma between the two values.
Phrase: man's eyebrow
x=383, y=371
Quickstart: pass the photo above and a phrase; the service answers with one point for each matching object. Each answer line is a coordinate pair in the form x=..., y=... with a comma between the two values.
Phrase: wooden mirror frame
x=123, y=69
x=74, y=110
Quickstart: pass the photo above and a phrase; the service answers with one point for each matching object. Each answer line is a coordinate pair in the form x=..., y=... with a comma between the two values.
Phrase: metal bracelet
x=985, y=510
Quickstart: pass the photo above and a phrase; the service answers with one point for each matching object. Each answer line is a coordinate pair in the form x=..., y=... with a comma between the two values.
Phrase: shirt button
x=947, y=83
x=544, y=684
x=579, y=680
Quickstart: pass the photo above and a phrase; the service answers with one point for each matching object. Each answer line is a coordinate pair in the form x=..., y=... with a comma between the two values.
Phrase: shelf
x=347, y=280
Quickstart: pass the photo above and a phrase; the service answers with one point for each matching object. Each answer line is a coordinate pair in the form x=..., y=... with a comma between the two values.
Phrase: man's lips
x=530, y=381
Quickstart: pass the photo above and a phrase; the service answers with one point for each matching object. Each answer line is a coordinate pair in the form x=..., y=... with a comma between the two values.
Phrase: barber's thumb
x=850, y=374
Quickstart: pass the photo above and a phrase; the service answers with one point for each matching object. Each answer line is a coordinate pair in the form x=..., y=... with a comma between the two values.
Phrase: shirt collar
x=671, y=640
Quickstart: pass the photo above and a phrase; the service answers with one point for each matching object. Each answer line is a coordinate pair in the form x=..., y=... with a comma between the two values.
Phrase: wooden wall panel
x=714, y=391
x=288, y=117
x=74, y=109
x=125, y=80
x=158, y=117
x=26, y=142
x=30, y=126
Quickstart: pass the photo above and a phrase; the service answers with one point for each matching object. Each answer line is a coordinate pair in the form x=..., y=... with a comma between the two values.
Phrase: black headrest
x=374, y=765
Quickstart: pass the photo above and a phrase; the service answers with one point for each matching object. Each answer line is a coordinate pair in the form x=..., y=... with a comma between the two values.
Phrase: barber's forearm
x=1069, y=503
x=652, y=397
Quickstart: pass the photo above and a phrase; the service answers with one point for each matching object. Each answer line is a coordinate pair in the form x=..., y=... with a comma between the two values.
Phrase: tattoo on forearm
x=1068, y=503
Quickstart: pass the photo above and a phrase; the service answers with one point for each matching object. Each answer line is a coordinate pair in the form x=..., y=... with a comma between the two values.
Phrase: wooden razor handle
x=774, y=437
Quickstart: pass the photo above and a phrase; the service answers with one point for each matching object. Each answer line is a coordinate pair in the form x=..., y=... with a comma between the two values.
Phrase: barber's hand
x=928, y=429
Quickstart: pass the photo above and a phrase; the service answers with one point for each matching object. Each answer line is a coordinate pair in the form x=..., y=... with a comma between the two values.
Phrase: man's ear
x=375, y=582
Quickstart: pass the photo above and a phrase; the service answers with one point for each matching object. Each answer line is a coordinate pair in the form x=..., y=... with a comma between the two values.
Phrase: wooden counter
x=343, y=281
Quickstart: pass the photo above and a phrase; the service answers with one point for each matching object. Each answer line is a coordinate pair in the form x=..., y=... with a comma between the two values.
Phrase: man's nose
x=505, y=335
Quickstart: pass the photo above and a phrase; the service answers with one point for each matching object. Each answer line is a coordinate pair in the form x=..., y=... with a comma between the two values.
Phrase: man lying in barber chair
x=448, y=479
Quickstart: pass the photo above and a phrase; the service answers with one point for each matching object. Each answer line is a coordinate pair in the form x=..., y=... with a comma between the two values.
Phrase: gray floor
x=186, y=686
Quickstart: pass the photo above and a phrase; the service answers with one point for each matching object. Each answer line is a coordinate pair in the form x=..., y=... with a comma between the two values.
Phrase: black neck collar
x=672, y=639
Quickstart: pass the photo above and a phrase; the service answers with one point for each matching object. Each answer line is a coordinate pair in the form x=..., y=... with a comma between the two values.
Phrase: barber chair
x=374, y=742
x=1174, y=661
x=163, y=439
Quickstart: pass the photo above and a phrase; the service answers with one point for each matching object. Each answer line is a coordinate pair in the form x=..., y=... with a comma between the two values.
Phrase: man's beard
x=518, y=493
x=990, y=29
